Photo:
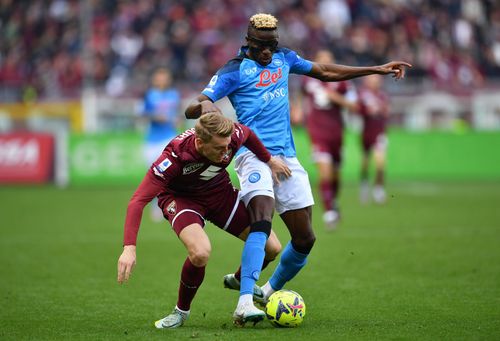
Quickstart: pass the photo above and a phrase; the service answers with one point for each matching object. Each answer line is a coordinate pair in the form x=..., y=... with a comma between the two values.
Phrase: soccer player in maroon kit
x=373, y=106
x=325, y=126
x=192, y=184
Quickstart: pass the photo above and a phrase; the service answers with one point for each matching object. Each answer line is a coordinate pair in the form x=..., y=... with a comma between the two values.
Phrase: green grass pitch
x=424, y=267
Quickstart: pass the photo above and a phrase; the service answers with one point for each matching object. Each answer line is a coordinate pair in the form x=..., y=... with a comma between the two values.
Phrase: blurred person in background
x=160, y=110
x=373, y=107
x=325, y=125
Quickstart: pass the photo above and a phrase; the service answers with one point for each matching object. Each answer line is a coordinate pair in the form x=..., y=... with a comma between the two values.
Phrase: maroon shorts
x=223, y=208
x=373, y=141
x=328, y=148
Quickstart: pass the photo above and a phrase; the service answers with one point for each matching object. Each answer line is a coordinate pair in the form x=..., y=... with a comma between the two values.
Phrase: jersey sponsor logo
x=269, y=95
x=267, y=78
x=172, y=208
x=254, y=177
x=162, y=166
x=191, y=168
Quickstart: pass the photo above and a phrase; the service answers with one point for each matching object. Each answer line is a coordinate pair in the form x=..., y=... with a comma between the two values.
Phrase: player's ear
x=198, y=142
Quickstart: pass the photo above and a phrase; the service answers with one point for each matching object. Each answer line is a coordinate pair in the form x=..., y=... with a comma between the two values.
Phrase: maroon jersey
x=324, y=120
x=182, y=171
x=374, y=109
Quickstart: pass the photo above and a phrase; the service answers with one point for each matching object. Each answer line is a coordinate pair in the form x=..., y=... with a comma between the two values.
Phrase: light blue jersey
x=259, y=94
x=164, y=103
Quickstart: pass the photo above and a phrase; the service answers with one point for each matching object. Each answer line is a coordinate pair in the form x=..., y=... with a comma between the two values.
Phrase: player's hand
x=208, y=107
x=126, y=263
x=279, y=169
x=397, y=69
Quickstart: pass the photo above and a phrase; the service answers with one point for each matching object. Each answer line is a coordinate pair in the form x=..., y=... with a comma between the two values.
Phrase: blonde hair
x=262, y=21
x=212, y=124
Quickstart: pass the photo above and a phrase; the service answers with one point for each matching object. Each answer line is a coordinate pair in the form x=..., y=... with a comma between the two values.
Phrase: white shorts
x=256, y=179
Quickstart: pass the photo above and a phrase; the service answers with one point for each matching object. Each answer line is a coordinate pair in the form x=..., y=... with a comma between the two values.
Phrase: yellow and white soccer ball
x=285, y=308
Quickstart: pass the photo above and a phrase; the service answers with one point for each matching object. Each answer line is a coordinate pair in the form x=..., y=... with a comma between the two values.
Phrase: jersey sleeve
x=224, y=82
x=155, y=181
x=298, y=65
x=253, y=143
x=147, y=190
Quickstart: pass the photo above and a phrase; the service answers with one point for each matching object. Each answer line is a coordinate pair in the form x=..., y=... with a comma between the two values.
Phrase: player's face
x=262, y=45
x=324, y=57
x=162, y=79
x=215, y=149
x=373, y=82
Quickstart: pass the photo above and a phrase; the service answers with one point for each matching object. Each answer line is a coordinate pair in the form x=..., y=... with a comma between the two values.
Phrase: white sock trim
x=182, y=311
x=245, y=299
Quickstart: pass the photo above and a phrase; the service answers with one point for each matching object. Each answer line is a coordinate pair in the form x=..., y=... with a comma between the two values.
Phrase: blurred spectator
x=41, y=40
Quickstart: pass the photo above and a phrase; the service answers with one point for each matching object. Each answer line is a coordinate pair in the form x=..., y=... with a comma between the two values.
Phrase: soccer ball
x=285, y=308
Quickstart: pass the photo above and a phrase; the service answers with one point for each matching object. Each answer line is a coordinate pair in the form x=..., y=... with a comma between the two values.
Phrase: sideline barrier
x=26, y=157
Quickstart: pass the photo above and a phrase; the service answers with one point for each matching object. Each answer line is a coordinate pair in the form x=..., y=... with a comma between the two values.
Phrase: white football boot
x=379, y=194
x=231, y=282
x=331, y=219
x=247, y=313
x=174, y=320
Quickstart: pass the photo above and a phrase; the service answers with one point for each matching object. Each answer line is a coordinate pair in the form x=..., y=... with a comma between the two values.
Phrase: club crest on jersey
x=162, y=166
x=254, y=177
x=191, y=168
x=172, y=208
x=278, y=62
x=267, y=78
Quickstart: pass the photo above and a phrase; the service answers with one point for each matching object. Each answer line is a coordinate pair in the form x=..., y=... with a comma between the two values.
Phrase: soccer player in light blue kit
x=160, y=108
x=256, y=83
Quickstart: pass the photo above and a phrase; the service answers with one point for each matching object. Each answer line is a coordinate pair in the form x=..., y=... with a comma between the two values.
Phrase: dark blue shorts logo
x=254, y=177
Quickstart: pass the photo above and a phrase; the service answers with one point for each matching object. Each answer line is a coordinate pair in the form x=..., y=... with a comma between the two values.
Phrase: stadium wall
x=116, y=158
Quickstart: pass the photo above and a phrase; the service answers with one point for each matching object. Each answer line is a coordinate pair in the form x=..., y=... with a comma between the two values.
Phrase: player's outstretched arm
x=337, y=72
x=126, y=263
x=200, y=106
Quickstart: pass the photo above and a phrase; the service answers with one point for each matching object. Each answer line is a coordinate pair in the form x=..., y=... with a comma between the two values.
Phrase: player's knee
x=199, y=257
x=305, y=244
x=261, y=207
x=261, y=226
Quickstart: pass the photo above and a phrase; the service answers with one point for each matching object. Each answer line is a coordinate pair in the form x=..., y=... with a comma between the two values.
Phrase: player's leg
x=228, y=212
x=364, y=190
x=333, y=217
x=379, y=152
x=187, y=223
x=272, y=249
x=295, y=210
x=294, y=255
x=257, y=192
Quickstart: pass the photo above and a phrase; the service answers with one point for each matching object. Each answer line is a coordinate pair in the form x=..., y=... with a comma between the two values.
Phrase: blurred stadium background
x=72, y=75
